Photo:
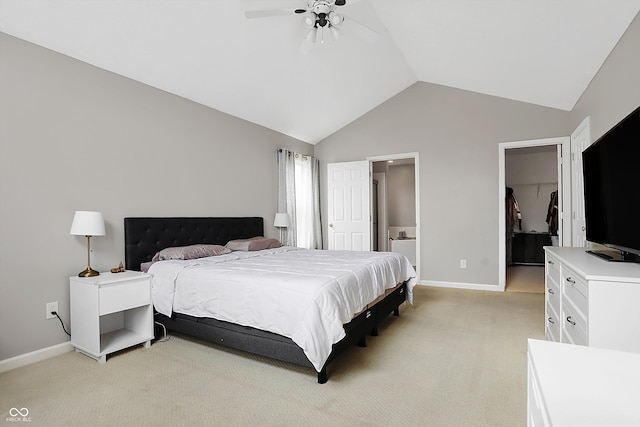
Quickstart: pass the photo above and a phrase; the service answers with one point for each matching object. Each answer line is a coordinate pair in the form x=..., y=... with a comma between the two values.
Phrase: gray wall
x=456, y=134
x=401, y=195
x=75, y=137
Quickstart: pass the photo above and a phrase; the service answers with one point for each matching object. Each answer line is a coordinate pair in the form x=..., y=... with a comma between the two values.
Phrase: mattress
x=305, y=295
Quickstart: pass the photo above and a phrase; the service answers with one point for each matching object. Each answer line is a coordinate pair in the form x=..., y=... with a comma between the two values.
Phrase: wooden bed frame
x=145, y=236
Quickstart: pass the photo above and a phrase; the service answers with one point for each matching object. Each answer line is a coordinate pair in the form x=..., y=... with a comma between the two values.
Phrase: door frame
x=415, y=156
x=383, y=220
x=580, y=139
x=564, y=194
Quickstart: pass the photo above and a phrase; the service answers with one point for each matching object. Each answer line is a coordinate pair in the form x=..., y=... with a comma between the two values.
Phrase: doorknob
x=583, y=228
x=331, y=225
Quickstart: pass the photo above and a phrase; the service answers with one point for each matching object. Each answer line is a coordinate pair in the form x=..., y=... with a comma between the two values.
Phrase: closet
x=531, y=177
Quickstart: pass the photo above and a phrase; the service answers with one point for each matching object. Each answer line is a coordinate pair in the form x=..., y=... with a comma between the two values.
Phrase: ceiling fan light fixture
x=321, y=7
x=322, y=20
x=318, y=16
x=309, y=21
x=336, y=19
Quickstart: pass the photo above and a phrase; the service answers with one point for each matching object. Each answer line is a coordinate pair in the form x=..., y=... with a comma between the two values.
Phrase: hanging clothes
x=514, y=216
x=552, y=214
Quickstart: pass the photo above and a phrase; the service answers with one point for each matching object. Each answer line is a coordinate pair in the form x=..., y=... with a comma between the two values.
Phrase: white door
x=580, y=139
x=349, y=206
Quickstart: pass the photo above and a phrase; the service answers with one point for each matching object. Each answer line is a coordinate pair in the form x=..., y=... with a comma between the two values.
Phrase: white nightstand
x=110, y=312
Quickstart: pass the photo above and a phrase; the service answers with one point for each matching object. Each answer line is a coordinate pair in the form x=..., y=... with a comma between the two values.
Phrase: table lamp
x=88, y=224
x=281, y=221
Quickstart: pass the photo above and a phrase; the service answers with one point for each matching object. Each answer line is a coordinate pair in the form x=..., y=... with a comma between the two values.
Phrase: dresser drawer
x=124, y=295
x=574, y=325
x=552, y=327
x=575, y=291
x=553, y=294
x=552, y=268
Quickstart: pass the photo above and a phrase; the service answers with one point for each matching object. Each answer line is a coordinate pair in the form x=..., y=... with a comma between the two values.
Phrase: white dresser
x=570, y=386
x=590, y=301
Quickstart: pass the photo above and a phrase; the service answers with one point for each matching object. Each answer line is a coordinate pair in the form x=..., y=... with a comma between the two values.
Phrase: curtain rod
x=293, y=152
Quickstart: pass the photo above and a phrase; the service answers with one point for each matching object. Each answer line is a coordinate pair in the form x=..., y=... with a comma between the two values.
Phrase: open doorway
x=395, y=206
x=531, y=180
x=531, y=172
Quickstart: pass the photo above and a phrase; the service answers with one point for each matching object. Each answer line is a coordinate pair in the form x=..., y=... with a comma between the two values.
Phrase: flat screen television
x=611, y=169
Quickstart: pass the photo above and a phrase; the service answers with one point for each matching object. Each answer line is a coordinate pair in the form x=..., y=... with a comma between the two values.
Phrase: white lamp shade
x=86, y=223
x=282, y=220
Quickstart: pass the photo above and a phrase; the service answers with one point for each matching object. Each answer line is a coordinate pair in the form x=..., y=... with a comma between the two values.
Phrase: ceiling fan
x=318, y=16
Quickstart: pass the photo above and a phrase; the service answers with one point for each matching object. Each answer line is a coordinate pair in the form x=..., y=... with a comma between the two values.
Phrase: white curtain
x=316, y=225
x=287, y=194
x=299, y=196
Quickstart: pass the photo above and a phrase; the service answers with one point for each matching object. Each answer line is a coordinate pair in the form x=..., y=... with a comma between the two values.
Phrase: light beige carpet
x=456, y=358
x=525, y=278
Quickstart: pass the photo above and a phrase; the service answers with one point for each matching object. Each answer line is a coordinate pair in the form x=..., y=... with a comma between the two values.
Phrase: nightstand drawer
x=124, y=296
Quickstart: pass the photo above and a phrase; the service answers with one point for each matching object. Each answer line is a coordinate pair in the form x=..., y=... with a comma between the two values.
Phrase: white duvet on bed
x=305, y=295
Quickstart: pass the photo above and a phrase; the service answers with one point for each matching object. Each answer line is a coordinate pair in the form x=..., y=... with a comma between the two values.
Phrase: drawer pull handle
x=570, y=280
x=551, y=291
x=550, y=320
x=571, y=321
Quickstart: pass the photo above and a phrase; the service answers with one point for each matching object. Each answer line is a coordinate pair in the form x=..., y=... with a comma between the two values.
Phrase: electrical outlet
x=463, y=263
x=52, y=306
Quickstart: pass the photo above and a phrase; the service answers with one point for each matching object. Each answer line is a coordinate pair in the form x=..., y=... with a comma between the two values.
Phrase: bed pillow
x=190, y=252
x=253, y=244
x=145, y=266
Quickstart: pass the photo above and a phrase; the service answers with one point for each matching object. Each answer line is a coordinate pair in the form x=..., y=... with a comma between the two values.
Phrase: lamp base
x=88, y=272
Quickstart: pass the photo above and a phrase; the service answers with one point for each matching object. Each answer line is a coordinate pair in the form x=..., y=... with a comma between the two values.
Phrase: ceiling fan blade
x=361, y=31
x=252, y=14
x=345, y=2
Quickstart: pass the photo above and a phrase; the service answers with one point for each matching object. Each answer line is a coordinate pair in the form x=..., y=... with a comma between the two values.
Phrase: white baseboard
x=457, y=285
x=34, y=356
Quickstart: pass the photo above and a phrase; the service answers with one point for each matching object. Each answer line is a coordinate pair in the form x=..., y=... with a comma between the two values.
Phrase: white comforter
x=305, y=295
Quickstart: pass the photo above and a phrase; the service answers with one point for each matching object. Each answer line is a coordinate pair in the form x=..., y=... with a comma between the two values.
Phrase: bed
x=145, y=236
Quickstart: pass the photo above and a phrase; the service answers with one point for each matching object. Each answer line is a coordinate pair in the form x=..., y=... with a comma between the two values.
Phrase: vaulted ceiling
x=543, y=52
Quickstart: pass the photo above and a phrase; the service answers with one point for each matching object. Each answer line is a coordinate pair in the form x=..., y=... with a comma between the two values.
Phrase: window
x=299, y=196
